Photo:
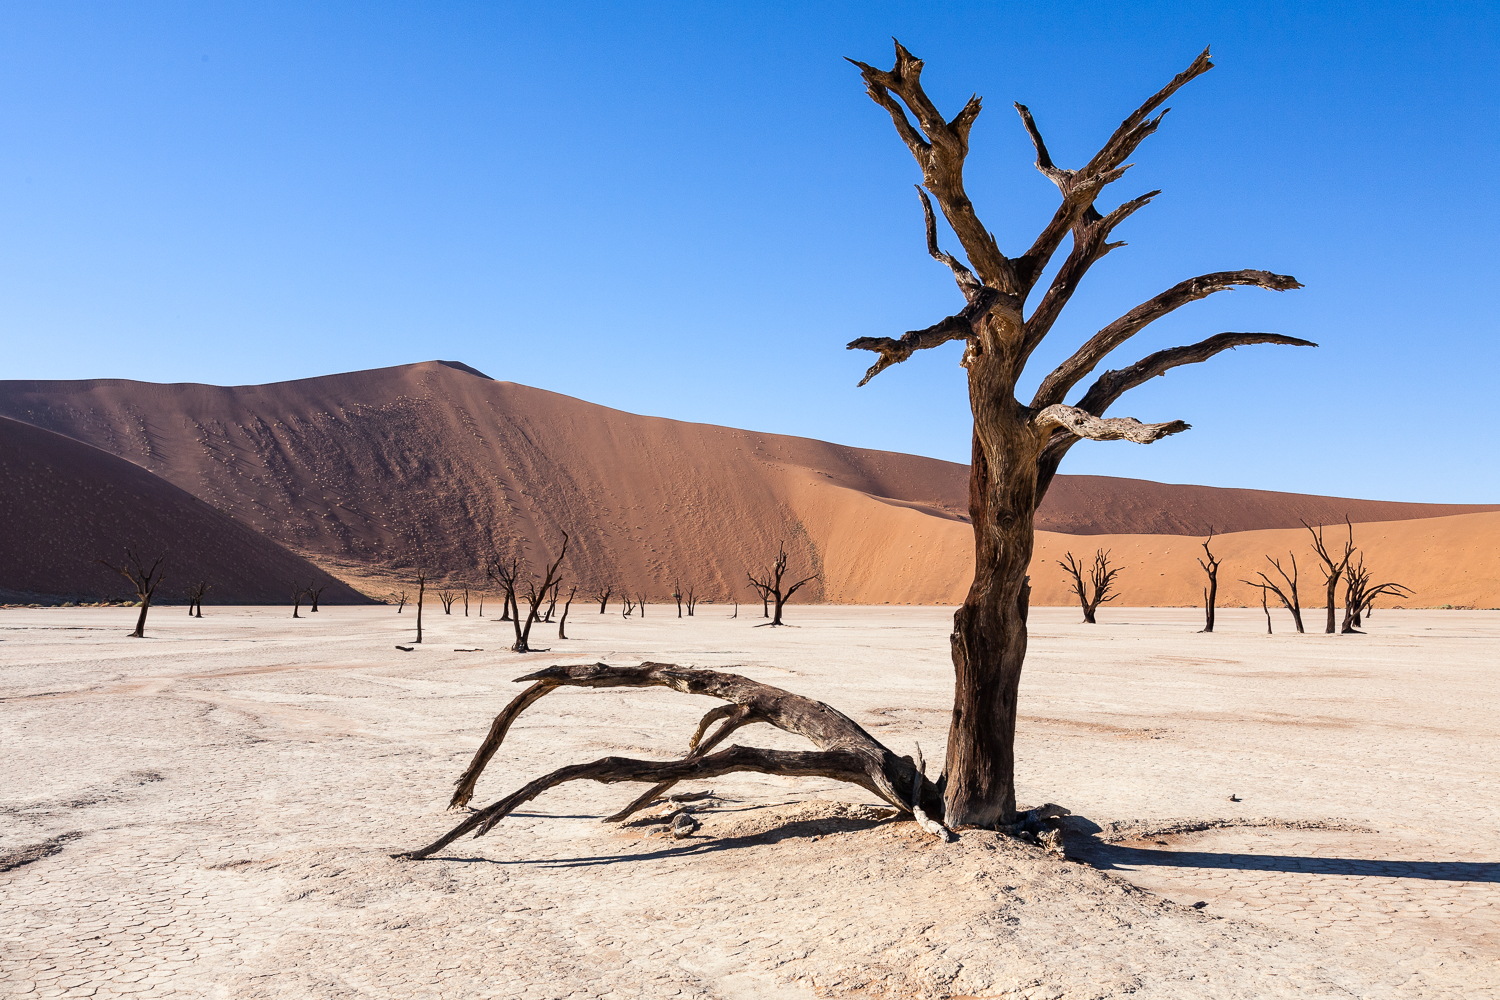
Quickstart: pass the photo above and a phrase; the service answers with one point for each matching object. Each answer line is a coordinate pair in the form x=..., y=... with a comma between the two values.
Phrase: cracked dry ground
x=208, y=813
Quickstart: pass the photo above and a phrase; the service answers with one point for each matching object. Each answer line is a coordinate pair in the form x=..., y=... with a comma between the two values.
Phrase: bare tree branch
x=960, y=326
x=940, y=155
x=967, y=282
x=1056, y=385
x=1081, y=187
x=1083, y=424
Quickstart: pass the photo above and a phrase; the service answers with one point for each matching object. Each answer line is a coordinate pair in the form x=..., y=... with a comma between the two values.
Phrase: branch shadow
x=693, y=846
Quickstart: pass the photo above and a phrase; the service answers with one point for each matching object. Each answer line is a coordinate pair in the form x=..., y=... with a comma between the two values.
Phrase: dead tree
x=626, y=606
x=602, y=596
x=145, y=579
x=1017, y=449
x=1333, y=570
x=1359, y=592
x=1211, y=592
x=1263, y=606
x=562, y=623
x=770, y=585
x=535, y=595
x=552, y=601
x=421, y=591
x=765, y=597
x=692, y=599
x=736, y=608
x=677, y=596
x=298, y=592
x=447, y=596
x=1288, y=595
x=400, y=598
x=481, y=604
x=640, y=605
x=466, y=600
x=504, y=576
x=845, y=752
x=314, y=595
x=195, y=598
x=1096, y=589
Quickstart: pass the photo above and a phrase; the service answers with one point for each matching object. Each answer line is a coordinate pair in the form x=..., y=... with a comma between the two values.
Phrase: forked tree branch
x=1113, y=384
x=967, y=282
x=960, y=326
x=1082, y=424
x=1056, y=385
x=1081, y=187
x=940, y=149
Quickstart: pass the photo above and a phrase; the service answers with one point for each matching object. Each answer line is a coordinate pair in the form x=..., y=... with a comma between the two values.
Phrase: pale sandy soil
x=208, y=813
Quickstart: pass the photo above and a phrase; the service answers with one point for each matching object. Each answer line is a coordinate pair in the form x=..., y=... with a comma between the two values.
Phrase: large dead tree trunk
x=1017, y=447
x=1211, y=592
x=145, y=579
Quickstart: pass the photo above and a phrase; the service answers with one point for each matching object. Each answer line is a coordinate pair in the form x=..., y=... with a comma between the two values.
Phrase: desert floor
x=209, y=813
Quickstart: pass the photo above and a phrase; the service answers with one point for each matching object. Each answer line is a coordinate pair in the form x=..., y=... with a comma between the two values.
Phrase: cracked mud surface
x=207, y=813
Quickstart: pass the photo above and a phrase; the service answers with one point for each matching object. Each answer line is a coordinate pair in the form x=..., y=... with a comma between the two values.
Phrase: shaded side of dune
x=66, y=505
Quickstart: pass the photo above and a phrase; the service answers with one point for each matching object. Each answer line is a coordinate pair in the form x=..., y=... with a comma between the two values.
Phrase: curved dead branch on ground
x=845, y=752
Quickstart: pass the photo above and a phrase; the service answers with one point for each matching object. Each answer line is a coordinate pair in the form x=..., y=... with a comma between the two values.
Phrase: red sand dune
x=436, y=465
x=65, y=505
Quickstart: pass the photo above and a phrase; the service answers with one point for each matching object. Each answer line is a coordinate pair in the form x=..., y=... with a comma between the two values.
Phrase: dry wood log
x=845, y=751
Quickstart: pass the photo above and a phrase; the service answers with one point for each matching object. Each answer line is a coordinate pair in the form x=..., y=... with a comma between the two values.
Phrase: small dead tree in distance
x=399, y=596
x=421, y=592
x=1287, y=596
x=145, y=579
x=297, y=593
x=1096, y=589
x=692, y=599
x=562, y=623
x=1359, y=592
x=1333, y=569
x=195, y=598
x=535, y=595
x=770, y=585
x=1265, y=609
x=1211, y=592
x=466, y=600
x=601, y=595
x=314, y=594
x=1017, y=451
x=677, y=596
x=626, y=606
x=447, y=596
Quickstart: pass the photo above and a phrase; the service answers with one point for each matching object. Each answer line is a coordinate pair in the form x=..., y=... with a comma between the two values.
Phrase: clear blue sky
x=688, y=210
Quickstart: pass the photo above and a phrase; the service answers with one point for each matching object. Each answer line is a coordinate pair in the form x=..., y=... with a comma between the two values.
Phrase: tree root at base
x=845, y=752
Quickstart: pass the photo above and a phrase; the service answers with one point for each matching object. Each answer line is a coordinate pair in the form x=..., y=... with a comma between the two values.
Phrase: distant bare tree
x=552, y=600
x=677, y=596
x=736, y=608
x=1333, y=569
x=1359, y=592
x=421, y=592
x=1096, y=589
x=145, y=579
x=481, y=604
x=504, y=575
x=640, y=605
x=466, y=600
x=298, y=592
x=772, y=586
x=1211, y=592
x=692, y=599
x=562, y=623
x=535, y=595
x=399, y=596
x=626, y=606
x=195, y=598
x=1287, y=594
x=765, y=597
x=447, y=596
x=1264, y=608
x=602, y=596
x=314, y=594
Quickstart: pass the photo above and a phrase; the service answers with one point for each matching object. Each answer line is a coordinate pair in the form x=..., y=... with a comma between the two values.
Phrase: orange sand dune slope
x=436, y=465
x=65, y=505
